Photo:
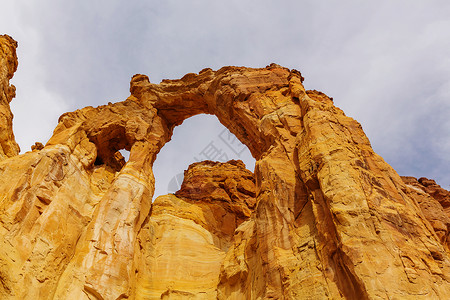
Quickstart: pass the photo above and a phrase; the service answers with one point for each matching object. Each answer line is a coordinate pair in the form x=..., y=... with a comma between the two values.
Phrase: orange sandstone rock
x=8, y=65
x=437, y=192
x=325, y=217
x=434, y=202
x=230, y=184
x=186, y=237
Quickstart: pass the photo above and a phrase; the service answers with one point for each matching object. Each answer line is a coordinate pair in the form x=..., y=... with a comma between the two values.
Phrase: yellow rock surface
x=322, y=217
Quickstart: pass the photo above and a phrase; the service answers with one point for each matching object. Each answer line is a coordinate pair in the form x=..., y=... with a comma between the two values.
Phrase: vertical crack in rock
x=323, y=216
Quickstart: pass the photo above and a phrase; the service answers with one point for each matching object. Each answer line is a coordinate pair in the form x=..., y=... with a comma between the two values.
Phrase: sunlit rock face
x=322, y=217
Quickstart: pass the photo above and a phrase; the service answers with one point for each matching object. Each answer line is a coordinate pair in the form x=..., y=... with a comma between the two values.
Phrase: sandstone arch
x=332, y=219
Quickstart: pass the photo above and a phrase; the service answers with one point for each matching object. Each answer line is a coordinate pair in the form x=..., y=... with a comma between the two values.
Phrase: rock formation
x=322, y=217
x=8, y=65
x=434, y=202
x=185, y=240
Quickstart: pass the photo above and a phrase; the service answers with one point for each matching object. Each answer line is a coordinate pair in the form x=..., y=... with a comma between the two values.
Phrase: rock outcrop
x=187, y=235
x=434, y=202
x=322, y=217
x=8, y=65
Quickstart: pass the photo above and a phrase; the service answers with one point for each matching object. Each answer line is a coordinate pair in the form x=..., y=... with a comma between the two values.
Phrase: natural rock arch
x=315, y=169
x=332, y=219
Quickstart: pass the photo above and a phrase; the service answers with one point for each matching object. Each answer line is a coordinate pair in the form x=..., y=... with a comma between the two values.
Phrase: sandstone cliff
x=322, y=217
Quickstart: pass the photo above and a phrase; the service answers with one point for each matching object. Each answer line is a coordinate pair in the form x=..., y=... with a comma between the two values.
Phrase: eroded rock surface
x=323, y=216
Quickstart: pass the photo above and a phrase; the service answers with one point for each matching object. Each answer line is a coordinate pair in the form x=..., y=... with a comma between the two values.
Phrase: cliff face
x=323, y=216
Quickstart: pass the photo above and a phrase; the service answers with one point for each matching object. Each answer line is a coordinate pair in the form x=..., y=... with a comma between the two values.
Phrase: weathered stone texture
x=322, y=217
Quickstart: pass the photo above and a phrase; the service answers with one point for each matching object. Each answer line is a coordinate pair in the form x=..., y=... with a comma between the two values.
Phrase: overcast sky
x=385, y=63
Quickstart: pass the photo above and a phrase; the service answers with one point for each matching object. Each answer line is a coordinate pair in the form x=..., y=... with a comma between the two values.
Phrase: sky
x=385, y=63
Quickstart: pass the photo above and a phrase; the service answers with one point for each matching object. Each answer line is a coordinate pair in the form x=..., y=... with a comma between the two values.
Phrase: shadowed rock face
x=323, y=216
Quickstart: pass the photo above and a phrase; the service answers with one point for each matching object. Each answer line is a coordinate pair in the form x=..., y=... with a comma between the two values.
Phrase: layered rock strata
x=325, y=217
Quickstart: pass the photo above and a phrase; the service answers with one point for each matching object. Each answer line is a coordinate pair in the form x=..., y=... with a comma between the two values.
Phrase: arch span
x=232, y=94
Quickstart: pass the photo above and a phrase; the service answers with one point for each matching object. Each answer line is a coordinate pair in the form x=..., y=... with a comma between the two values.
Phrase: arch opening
x=125, y=153
x=199, y=138
x=112, y=147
